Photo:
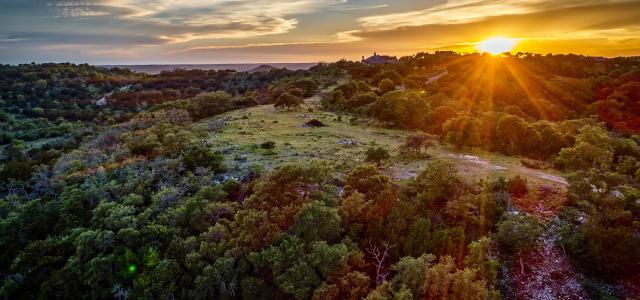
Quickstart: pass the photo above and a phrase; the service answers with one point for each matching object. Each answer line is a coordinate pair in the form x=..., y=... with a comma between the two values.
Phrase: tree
x=517, y=186
x=518, y=233
x=407, y=109
x=363, y=87
x=379, y=256
x=377, y=154
x=298, y=268
x=352, y=286
x=368, y=196
x=437, y=183
x=317, y=222
x=440, y=116
x=410, y=84
x=143, y=143
x=423, y=278
x=603, y=251
x=16, y=170
x=307, y=85
x=593, y=149
x=416, y=142
x=200, y=155
x=361, y=100
x=288, y=101
x=282, y=193
x=479, y=257
x=158, y=282
x=443, y=281
x=392, y=75
x=386, y=85
x=475, y=213
x=515, y=136
x=462, y=131
x=552, y=140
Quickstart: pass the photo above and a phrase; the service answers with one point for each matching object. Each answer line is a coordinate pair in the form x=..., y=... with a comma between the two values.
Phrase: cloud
x=360, y=7
x=472, y=21
x=85, y=9
x=182, y=21
x=42, y=39
x=13, y=38
x=466, y=11
x=347, y=36
x=197, y=31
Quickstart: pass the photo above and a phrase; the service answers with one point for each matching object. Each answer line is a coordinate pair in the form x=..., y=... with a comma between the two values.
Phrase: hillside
x=157, y=69
x=344, y=144
x=345, y=181
x=262, y=68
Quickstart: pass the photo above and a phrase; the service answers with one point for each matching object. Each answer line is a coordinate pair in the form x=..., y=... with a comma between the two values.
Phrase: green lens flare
x=132, y=268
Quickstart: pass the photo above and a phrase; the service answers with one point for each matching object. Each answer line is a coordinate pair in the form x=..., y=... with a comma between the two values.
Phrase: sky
x=263, y=31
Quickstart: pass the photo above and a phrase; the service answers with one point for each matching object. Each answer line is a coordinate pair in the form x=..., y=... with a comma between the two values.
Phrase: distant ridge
x=262, y=68
x=155, y=69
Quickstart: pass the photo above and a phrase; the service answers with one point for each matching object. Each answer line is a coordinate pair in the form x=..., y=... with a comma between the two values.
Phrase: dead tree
x=379, y=256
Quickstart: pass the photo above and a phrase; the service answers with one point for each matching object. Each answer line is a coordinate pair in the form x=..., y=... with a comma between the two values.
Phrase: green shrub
x=16, y=169
x=200, y=155
x=288, y=101
x=517, y=186
x=143, y=143
x=268, y=145
x=386, y=85
x=377, y=154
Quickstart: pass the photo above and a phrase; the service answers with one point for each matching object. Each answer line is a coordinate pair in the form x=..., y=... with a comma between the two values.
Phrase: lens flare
x=497, y=45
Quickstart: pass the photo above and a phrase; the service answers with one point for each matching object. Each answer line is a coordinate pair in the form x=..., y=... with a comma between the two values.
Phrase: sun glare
x=496, y=45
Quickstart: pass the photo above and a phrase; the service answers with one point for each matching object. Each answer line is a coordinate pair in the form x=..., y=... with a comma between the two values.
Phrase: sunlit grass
x=246, y=129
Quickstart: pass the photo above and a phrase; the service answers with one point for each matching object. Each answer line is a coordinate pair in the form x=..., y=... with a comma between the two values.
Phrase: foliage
x=268, y=145
x=131, y=199
x=519, y=232
x=200, y=155
x=401, y=108
x=288, y=101
x=437, y=182
x=517, y=186
x=377, y=154
x=386, y=85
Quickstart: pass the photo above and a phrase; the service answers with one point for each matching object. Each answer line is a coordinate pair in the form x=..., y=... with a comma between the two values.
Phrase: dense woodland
x=126, y=199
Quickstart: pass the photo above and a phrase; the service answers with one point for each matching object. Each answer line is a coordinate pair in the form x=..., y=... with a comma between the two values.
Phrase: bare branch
x=379, y=257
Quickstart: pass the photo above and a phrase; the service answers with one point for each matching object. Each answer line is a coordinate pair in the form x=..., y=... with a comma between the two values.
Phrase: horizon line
x=308, y=62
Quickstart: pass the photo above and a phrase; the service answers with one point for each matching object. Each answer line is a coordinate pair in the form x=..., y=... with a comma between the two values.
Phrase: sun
x=497, y=45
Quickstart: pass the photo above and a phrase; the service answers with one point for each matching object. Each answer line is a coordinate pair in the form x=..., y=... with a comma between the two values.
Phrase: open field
x=343, y=144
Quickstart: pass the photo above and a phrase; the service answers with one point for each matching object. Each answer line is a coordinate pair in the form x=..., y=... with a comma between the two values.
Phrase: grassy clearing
x=342, y=144
x=339, y=142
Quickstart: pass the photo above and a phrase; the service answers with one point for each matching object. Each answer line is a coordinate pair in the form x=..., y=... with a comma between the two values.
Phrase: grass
x=339, y=142
x=343, y=145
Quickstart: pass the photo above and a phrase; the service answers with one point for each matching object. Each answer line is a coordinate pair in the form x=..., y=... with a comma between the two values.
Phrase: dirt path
x=548, y=273
x=470, y=165
x=435, y=77
x=507, y=166
x=480, y=165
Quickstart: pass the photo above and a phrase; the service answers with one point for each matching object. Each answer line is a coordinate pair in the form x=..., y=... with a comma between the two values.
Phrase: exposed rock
x=314, y=123
x=347, y=142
